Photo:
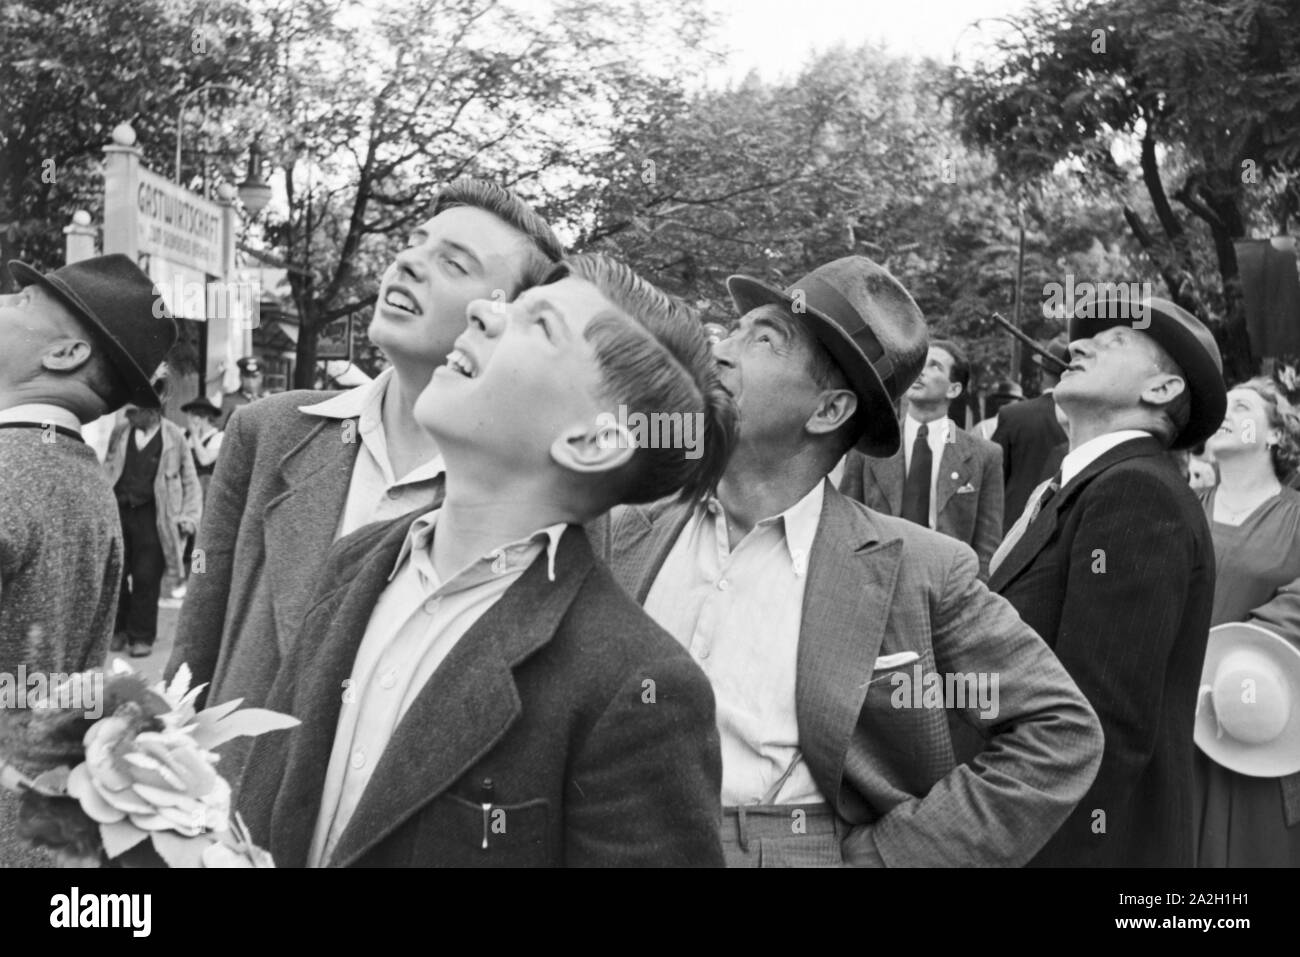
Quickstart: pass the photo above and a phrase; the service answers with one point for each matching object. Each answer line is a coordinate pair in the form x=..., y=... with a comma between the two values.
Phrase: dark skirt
x=1242, y=820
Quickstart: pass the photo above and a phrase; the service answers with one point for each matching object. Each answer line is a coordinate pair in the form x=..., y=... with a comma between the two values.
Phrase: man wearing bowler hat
x=1112, y=563
x=75, y=344
x=250, y=387
x=841, y=642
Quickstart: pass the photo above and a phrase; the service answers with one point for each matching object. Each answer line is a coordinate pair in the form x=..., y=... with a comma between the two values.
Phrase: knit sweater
x=60, y=553
x=60, y=570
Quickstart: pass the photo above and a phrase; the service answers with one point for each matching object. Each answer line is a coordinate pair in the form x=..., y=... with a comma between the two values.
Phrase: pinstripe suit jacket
x=880, y=586
x=1117, y=574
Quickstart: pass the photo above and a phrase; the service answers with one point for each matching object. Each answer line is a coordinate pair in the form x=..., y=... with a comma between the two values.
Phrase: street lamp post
x=180, y=117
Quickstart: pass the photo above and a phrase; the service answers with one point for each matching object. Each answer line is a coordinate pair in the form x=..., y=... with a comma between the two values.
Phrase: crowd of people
x=840, y=630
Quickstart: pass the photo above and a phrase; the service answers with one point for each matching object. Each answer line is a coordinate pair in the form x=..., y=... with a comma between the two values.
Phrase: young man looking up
x=475, y=689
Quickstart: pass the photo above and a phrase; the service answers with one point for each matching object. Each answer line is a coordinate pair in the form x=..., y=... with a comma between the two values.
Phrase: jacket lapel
x=1043, y=527
x=469, y=703
x=320, y=689
x=301, y=521
x=641, y=541
x=953, y=462
x=852, y=573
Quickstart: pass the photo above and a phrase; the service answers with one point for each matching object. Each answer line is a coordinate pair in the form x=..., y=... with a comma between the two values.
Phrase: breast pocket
x=461, y=833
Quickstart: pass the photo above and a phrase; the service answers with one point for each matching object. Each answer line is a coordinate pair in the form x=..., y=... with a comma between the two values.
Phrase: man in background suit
x=475, y=690
x=943, y=477
x=1113, y=565
x=1032, y=440
x=299, y=470
x=819, y=621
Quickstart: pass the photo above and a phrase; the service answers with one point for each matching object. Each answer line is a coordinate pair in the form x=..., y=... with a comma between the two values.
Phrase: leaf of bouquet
x=120, y=837
x=247, y=723
x=53, y=783
x=180, y=851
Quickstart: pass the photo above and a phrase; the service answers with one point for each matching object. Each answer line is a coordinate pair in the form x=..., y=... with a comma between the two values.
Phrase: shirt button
x=388, y=679
x=723, y=584
x=358, y=759
x=704, y=653
x=499, y=564
x=394, y=493
x=430, y=606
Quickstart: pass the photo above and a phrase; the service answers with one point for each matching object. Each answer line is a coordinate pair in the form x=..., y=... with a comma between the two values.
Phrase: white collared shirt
x=416, y=622
x=143, y=438
x=935, y=438
x=1076, y=460
x=375, y=494
x=739, y=612
x=40, y=413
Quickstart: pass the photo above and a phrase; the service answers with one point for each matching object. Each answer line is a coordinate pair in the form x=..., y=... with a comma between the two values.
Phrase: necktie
x=1041, y=496
x=916, y=488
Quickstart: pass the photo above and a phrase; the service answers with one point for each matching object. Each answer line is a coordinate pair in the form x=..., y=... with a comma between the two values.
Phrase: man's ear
x=66, y=355
x=602, y=447
x=954, y=390
x=1169, y=388
x=834, y=408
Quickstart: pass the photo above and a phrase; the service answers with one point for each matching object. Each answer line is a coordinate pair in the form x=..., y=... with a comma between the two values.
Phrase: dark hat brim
x=1209, y=394
x=140, y=390
x=881, y=436
x=202, y=406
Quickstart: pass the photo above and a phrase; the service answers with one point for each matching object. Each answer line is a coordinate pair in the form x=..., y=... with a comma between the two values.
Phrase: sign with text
x=178, y=225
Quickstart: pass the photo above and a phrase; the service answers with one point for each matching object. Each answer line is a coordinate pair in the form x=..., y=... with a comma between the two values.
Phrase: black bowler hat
x=201, y=406
x=869, y=324
x=1187, y=341
x=117, y=301
x=249, y=366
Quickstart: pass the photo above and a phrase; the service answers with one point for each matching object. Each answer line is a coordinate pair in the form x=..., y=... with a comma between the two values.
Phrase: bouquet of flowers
x=130, y=781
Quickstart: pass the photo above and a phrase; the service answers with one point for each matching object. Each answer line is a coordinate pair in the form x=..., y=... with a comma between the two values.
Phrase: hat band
x=825, y=298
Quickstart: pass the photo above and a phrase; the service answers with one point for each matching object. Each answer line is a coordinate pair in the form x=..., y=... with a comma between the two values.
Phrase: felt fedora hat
x=1248, y=709
x=121, y=310
x=1188, y=342
x=869, y=324
x=202, y=406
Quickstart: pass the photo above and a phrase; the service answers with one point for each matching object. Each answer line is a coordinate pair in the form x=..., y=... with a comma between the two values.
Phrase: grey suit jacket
x=274, y=503
x=968, y=494
x=881, y=586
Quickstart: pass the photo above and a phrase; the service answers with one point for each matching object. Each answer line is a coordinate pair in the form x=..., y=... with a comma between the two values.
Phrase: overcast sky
x=776, y=36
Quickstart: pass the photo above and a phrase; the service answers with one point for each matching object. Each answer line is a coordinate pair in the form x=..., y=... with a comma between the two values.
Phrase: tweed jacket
x=887, y=603
x=274, y=503
x=968, y=493
x=176, y=491
x=594, y=727
x=1117, y=574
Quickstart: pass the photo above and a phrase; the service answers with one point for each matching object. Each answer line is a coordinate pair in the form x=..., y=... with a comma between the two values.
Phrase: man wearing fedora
x=1030, y=435
x=841, y=642
x=302, y=469
x=75, y=344
x=203, y=437
x=1112, y=563
x=943, y=477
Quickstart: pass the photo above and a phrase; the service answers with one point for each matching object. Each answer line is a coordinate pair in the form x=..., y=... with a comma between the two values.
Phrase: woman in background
x=1255, y=523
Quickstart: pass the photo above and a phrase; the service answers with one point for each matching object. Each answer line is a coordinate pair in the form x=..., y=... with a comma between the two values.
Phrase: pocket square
x=965, y=489
x=893, y=661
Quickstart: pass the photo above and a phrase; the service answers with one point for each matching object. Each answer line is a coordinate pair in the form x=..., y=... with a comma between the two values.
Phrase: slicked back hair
x=655, y=358
x=505, y=205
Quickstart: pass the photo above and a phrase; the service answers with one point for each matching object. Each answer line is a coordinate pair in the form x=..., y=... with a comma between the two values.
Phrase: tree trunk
x=304, y=367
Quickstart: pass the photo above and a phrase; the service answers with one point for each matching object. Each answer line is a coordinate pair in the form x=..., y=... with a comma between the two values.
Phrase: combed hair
x=655, y=358
x=960, y=364
x=506, y=206
x=1282, y=415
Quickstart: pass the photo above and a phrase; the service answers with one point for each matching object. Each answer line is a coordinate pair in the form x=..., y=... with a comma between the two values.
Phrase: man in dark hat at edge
x=822, y=623
x=1113, y=564
x=75, y=344
x=250, y=388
